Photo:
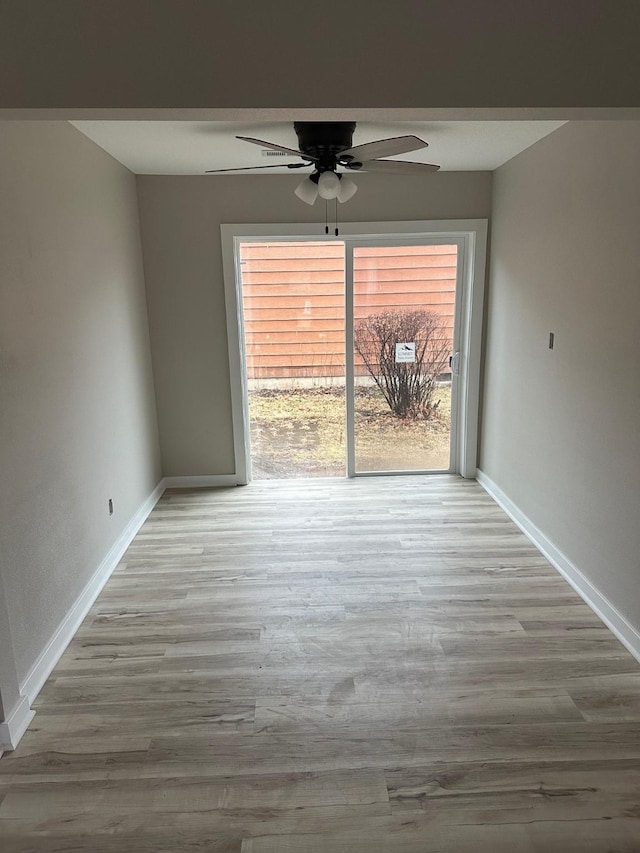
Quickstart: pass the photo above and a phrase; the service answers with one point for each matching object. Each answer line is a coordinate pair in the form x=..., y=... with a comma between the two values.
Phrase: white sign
x=405, y=352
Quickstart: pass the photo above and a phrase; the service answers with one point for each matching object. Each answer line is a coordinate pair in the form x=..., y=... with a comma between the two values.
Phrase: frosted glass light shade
x=328, y=185
x=307, y=191
x=347, y=189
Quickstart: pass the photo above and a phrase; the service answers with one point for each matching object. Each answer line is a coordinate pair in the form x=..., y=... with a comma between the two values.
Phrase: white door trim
x=473, y=232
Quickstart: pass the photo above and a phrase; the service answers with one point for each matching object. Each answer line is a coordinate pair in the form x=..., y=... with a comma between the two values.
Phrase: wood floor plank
x=424, y=835
x=44, y=802
x=405, y=835
x=272, y=714
x=370, y=665
x=128, y=831
x=520, y=792
x=78, y=691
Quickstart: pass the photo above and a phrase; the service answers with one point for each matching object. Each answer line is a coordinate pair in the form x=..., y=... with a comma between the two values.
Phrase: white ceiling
x=192, y=147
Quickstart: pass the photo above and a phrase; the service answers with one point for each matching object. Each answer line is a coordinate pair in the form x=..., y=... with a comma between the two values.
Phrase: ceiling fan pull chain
x=337, y=232
x=326, y=216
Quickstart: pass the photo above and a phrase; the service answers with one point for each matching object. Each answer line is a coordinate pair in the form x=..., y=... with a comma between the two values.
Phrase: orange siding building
x=293, y=300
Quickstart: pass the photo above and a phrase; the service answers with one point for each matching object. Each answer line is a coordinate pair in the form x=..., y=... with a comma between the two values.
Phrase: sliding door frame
x=471, y=237
x=351, y=244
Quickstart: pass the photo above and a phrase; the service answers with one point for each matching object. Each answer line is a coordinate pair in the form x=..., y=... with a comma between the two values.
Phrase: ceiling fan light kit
x=347, y=189
x=307, y=190
x=327, y=185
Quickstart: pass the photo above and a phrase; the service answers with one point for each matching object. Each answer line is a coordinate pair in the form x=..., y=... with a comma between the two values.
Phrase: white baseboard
x=590, y=594
x=15, y=725
x=65, y=632
x=206, y=481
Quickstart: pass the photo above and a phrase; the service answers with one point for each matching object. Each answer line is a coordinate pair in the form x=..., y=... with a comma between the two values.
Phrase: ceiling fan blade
x=384, y=148
x=275, y=147
x=396, y=167
x=251, y=168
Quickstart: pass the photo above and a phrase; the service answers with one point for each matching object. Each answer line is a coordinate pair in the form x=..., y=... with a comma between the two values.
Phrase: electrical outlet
x=110, y=506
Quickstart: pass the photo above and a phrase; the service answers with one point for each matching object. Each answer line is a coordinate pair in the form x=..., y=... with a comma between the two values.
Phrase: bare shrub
x=408, y=387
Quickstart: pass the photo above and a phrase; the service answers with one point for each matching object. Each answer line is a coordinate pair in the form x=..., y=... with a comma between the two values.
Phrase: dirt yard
x=301, y=433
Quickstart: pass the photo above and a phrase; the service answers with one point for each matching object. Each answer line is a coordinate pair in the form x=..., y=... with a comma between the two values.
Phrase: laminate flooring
x=370, y=665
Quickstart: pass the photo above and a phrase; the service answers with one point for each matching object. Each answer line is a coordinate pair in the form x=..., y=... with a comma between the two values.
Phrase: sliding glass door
x=294, y=352
x=355, y=356
x=403, y=332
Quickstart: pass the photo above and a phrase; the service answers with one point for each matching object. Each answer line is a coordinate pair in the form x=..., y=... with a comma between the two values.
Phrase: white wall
x=285, y=54
x=180, y=220
x=561, y=428
x=78, y=421
x=9, y=686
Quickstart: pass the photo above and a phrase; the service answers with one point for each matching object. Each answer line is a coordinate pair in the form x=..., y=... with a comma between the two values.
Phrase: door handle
x=454, y=363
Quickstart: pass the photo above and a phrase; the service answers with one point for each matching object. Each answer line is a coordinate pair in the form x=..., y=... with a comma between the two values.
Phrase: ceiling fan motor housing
x=324, y=141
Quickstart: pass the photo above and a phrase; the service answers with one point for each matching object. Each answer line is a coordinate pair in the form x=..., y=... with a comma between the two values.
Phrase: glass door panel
x=404, y=319
x=294, y=351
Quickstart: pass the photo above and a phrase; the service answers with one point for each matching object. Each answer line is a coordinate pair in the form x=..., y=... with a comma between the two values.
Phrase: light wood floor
x=373, y=666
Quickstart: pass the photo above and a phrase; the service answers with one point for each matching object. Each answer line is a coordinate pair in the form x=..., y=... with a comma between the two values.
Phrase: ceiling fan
x=327, y=146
